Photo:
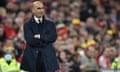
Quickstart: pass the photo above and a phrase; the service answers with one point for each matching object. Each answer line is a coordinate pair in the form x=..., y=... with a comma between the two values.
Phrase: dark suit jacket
x=47, y=36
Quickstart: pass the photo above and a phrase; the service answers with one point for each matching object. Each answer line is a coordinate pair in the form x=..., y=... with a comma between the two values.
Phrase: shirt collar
x=37, y=19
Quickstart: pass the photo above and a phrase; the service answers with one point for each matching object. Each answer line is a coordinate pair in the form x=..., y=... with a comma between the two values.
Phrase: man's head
x=9, y=54
x=91, y=52
x=38, y=9
x=107, y=52
x=113, y=52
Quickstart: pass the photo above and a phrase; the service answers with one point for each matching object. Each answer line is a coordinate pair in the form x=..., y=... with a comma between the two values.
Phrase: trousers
x=40, y=67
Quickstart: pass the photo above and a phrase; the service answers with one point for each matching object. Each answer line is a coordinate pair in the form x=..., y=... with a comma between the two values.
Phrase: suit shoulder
x=27, y=23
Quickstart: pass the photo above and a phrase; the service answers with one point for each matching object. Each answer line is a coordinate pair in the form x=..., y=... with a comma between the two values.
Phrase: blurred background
x=88, y=33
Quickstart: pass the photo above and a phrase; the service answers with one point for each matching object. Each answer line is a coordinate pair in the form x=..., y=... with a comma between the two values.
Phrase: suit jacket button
x=37, y=51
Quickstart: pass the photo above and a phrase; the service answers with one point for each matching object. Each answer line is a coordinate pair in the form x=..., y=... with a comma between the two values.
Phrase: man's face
x=38, y=9
x=107, y=52
x=92, y=52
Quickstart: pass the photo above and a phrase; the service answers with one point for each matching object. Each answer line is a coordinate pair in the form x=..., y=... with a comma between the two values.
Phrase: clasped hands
x=37, y=36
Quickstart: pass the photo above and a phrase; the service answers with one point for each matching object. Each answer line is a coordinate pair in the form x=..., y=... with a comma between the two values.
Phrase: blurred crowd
x=88, y=32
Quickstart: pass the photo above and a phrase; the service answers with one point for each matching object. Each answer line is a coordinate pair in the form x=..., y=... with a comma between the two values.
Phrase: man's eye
x=40, y=8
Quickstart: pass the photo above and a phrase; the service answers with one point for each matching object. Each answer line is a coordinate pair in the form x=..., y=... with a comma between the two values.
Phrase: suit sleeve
x=51, y=35
x=29, y=36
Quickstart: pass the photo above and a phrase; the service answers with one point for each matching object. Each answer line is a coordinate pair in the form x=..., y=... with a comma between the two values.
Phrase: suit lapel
x=34, y=26
x=38, y=28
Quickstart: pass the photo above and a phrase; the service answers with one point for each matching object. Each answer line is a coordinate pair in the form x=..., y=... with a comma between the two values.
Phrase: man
x=8, y=62
x=104, y=60
x=88, y=61
x=39, y=54
x=116, y=62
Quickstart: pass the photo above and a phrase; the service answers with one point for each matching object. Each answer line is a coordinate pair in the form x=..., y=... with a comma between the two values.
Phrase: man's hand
x=37, y=36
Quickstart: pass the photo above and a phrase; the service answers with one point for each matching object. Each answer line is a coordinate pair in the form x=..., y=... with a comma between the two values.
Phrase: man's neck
x=36, y=19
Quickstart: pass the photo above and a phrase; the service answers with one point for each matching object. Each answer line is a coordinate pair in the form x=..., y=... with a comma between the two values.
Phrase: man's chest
x=39, y=28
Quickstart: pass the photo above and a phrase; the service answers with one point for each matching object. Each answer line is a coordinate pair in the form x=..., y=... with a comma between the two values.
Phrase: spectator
x=8, y=63
x=3, y=13
x=9, y=44
x=88, y=62
x=76, y=63
x=116, y=63
x=63, y=61
x=113, y=53
x=9, y=29
x=104, y=60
